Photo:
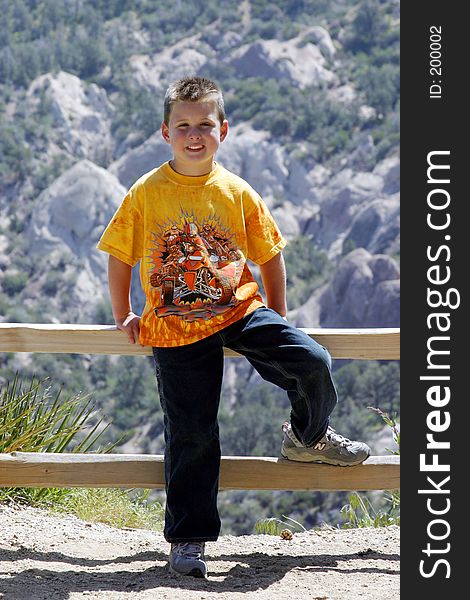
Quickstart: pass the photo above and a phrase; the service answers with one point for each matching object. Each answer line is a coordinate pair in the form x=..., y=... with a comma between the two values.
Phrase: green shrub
x=14, y=283
x=115, y=507
x=4, y=304
x=359, y=512
x=34, y=418
x=307, y=268
x=104, y=313
x=51, y=285
x=274, y=526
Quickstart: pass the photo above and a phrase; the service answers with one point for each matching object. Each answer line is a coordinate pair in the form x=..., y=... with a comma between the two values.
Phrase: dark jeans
x=190, y=380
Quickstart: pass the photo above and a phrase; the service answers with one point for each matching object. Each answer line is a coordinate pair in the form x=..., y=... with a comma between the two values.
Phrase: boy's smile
x=194, y=133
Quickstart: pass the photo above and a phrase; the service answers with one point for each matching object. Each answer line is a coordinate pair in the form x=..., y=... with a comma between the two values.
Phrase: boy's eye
x=182, y=125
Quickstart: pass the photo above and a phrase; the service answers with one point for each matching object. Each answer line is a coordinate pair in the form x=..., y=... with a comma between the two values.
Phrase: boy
x=193, y=224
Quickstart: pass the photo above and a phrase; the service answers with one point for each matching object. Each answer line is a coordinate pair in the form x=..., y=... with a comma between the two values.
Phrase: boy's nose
x=194, y=133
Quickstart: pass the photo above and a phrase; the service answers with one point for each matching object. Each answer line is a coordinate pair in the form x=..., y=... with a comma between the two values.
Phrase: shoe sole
x=327, y=462
x=193, y=573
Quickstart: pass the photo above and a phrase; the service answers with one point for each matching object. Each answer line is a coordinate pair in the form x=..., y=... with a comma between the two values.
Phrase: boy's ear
x=165, y=132
x=223, y=130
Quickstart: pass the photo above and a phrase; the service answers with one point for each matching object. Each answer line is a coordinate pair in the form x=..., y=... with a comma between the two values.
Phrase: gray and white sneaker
x=187, y=558
x=333, y=449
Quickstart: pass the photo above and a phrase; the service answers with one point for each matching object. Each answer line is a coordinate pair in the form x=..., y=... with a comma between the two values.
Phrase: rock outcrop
x=137, y=161
x=70, y=217
x=363, y=293
x=156, y=71
x=81, y=114
x=298, y=60
x=358, y=207
x=74, y=210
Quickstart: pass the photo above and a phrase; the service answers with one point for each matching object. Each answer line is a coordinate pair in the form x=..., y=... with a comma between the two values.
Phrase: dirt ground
x=44, y=557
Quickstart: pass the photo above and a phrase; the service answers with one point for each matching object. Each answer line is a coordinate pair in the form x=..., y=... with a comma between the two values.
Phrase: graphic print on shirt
x=196, y=267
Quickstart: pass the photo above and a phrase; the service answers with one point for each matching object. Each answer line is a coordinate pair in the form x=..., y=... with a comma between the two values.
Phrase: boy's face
x=194, y=133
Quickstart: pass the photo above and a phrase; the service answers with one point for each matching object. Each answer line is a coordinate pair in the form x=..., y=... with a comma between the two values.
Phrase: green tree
x=307, y=268
x=369, y=27
x=381, y=86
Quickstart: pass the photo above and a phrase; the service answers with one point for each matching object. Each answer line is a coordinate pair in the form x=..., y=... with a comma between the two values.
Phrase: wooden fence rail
x=383, y=344
x=35, y=469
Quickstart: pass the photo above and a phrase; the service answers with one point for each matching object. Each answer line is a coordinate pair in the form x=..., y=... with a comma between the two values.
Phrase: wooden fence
x=25, y=469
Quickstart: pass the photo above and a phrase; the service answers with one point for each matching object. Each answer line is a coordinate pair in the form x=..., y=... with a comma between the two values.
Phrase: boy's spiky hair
x=192, y=89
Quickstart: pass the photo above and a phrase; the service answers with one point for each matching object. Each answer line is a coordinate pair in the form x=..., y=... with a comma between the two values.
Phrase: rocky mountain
x=312, y=102
x=346, y=209
x=339, y=208
x=312, y=97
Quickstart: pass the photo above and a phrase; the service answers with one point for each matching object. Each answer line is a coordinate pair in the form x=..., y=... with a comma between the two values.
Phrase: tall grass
x=36, y=418
x=359, y=512
x=274, y=526
x=115, y=507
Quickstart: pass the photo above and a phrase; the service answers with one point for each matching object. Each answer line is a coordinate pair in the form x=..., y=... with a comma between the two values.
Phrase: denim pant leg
x=189, y=381
x=289, y=358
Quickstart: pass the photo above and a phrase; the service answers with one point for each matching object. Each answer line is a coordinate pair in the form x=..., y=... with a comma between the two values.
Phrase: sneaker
x=333, y=449
x=187, y=558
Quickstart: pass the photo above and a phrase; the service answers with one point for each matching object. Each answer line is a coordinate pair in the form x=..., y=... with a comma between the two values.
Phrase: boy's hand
x=130, y=325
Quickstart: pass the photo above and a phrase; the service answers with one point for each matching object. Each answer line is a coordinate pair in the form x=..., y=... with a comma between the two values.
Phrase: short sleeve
x=263, y=235
x=123, y=237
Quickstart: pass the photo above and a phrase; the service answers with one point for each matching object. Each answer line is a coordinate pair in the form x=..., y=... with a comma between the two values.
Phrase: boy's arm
x=273, y=274
x=119, y=280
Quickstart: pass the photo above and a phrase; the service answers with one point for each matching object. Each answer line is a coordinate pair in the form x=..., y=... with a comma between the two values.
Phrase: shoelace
x=336, y=438
x=332, y=436
x=190, y=549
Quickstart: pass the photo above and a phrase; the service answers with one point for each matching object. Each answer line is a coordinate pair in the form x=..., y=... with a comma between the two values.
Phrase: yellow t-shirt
x=192, y=236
